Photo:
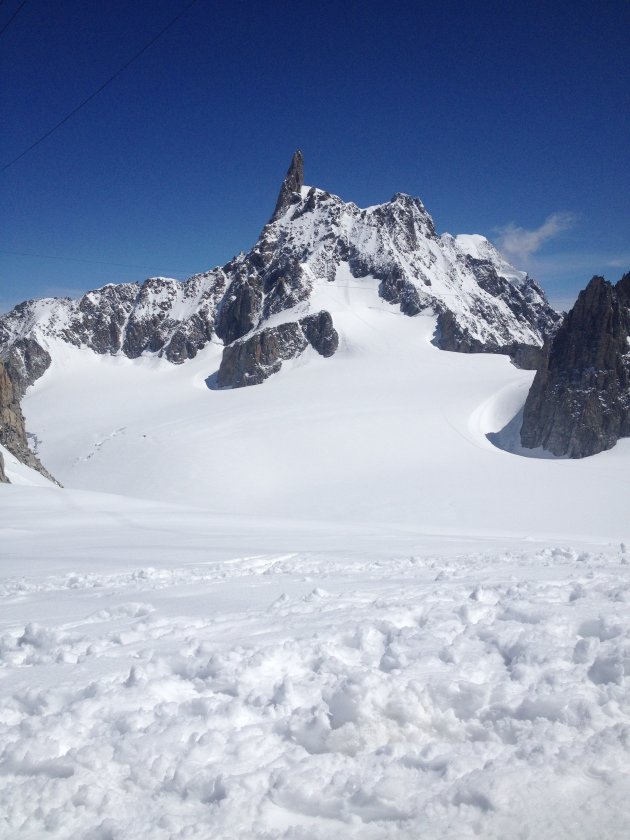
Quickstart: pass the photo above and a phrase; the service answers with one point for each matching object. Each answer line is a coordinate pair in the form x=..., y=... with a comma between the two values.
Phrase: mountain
x=579, y=402
x=263, y=305
x=333, y=582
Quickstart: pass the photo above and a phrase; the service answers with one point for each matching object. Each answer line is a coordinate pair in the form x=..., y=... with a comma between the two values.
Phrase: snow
x=389, y=429
x=480, y=248
x=18, y=473
x=325, y=606
x=171, y=673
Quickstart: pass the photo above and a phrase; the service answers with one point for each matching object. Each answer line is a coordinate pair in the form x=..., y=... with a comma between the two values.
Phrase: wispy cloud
x=519, y=244
x=620, y=262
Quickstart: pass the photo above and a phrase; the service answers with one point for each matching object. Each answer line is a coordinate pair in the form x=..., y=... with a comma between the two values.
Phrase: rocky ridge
x=482, y=303
x=12, y=430
x=579, y=402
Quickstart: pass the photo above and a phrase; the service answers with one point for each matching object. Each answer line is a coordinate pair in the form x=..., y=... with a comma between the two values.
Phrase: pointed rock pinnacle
x=291, y=186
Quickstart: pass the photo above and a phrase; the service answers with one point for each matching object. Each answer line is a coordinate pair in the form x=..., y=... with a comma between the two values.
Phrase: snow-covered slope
x=367, y=622
x=481, y=249
x=17, y=472
x=169, y=673
x=390, y=429
x=314, y=238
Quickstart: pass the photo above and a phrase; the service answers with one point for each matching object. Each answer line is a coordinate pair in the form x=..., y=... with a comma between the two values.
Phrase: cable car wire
x=105, y=84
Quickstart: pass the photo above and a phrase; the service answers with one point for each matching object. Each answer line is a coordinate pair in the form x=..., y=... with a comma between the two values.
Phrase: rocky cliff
x=313, y=239
x=579, y=403
x=252, y=360
x=12, y=431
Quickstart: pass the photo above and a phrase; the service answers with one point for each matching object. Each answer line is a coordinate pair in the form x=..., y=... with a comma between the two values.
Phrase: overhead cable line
x=92, y=262
x=101, y=88
x=13, y=17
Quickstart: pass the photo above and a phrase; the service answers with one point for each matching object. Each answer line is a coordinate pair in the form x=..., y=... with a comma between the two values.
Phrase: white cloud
x=620, y=262
x=519, y=243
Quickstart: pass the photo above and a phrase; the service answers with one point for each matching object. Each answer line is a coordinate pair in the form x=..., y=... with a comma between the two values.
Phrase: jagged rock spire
x=578, y=403
x=291, y=186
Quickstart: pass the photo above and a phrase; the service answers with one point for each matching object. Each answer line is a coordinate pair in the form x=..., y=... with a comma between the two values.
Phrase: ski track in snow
x=315, y=695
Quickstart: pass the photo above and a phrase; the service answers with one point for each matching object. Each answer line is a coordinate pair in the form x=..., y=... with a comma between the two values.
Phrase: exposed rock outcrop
x=451, y=335
x=25, y=362
x=240, y=310
x=527, y=357
x=291, y=186
x=579, y=402
x=320, y=333
x=12, y=431
x=252, y=360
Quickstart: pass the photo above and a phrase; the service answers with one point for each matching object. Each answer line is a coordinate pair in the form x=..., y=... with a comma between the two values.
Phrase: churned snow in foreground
x=166, y=673
x=339, y=611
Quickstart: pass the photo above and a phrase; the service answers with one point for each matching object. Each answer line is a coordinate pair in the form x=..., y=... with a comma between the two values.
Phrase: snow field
x=326, y=606
x=389, y=429
x=19, y=474
x=313, y=694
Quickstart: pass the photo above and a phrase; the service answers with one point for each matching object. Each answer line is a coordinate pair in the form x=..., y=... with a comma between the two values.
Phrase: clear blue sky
x=507, y=119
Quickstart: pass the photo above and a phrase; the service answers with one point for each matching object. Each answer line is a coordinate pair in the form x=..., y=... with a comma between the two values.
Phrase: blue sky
x=507, y=119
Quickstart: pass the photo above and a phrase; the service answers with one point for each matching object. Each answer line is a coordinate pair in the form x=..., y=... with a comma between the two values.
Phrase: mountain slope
x=313, y=238
x=390, y=430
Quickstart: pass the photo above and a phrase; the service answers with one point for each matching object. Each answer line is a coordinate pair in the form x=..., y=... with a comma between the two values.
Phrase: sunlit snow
x=324, y=606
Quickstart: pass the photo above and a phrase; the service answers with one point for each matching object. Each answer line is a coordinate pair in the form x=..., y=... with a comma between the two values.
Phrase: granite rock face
x=291, y=186
x=12, y=430
x=240, y=311
x=25, y=362
x=313, y=240
x=320, y=333
x=252, y=360
x=579, y=402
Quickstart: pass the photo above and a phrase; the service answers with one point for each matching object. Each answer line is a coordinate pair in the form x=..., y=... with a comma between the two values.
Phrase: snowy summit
x=314, y=243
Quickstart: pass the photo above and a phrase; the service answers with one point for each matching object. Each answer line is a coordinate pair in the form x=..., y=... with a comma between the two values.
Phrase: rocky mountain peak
x=314, y=239
x=291, y=186
x=579, y=402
